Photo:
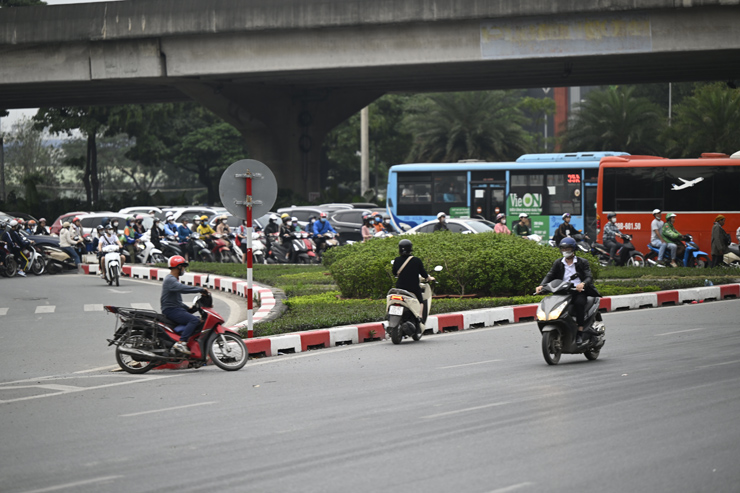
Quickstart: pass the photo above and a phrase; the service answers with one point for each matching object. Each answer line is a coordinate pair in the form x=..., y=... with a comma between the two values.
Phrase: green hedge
x=485, y=264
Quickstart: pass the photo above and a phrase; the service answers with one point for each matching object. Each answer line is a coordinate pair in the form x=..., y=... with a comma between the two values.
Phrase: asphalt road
x=477, y=411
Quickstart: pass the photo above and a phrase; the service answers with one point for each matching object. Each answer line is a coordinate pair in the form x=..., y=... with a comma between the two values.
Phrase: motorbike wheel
x=396, y=335
x=11, y=267
x=109, y=278
x=637, y=259
x=127, y=362
x=158, y=258
x=115, y=276
x=551, y=347
x=702, y=262
x=38, y=266
x=228, y=351
x=592, y=355
x=207, y=257
x=417, y=337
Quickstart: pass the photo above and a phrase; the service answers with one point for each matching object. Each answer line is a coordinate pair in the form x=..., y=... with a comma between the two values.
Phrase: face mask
x=323, y=220
x=503, y=221
x=567, y=254
x=613, y=220
x=289, y=223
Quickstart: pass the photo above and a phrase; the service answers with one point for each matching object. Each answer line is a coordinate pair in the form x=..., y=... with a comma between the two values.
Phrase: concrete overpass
x=284, y=72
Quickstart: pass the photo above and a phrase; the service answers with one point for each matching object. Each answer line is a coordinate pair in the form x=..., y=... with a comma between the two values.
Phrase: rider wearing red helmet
x=171, y=302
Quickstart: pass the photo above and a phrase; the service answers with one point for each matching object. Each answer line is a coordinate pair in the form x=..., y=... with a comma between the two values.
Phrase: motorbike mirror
x=391, y=262
x=438, y=268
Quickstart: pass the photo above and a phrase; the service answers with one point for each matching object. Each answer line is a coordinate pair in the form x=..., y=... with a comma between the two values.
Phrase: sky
x=15, y=115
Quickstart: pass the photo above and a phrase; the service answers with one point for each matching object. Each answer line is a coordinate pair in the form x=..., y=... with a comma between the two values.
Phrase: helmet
x=65, y=224
x=441, y=214
x=130, y=218
x=656, y=211
x=14, y=223
x=294, y=219
x=75, y=219
x=139, y=217
x=669, y=216
x=155, y=220
x=500, y=216
x=204, y=218
x=284, y=216
x=405, y=247
x=109, y=228
x=274, y=217
x=322, y=215
x=567, y=214
x=567, y=242
x=176, y=261
x=223, y=217
x=611, y=215
x=42, y=220
x=523, y=215
x=31, y=223
x=196, y=218
x=100, y=226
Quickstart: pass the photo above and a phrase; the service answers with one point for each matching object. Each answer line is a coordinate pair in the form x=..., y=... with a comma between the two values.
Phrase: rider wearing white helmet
x=441, y=224
x=501, y=225
x=523, y=228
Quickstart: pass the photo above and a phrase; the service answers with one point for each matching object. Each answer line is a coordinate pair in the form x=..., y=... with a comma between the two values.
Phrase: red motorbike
x=144, y=340
x=222, y=249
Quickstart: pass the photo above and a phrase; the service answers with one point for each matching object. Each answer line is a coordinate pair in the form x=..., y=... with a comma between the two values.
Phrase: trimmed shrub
x=485, y=264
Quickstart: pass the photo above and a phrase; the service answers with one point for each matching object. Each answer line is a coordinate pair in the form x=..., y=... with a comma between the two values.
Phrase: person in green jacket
x=523, y=228
x=671, y=235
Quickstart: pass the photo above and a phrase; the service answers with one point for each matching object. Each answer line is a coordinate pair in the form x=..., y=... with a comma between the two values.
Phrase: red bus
x=696, y=190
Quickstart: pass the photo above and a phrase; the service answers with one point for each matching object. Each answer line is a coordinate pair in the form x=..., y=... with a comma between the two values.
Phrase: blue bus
x=545, y=186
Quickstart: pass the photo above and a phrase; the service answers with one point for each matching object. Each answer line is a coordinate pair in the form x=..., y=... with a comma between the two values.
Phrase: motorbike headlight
x=555, y=314
x=541, y=315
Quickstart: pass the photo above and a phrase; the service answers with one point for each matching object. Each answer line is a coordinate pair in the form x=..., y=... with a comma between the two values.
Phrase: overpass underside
x=284, y=90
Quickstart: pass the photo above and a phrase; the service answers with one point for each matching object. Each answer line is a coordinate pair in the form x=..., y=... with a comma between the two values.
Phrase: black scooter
x=557, y=323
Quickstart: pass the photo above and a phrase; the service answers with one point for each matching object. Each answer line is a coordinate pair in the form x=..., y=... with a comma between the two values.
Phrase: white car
x=190, y=212
x=465, y=226
x=89, y=222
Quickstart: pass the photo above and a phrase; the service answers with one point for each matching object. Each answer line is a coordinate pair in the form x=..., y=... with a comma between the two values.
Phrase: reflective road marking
x=45, y=309
x=469, y=364
x=93, y=308
x=450, y=413
x=75, y=484
x=167, y=409
x=680, y=332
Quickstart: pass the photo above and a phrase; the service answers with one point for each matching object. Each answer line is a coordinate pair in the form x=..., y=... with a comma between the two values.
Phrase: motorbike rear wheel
x=158, y=258
x=228, y=351
x=552, y=347
x=636, y=259
x=38, y=266
x=11, y=267
x=702, y=262
x=396, y=335
x=127, y=362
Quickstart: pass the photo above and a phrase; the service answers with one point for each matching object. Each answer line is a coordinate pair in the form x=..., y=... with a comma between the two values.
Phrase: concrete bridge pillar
x=283, y=127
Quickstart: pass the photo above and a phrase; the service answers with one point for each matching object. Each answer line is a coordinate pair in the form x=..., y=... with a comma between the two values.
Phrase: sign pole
x=250, y=300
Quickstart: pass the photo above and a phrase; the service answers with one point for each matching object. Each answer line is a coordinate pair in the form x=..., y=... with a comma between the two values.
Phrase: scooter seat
x=402, y=292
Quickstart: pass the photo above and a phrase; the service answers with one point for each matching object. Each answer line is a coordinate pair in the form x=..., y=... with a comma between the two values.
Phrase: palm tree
x=614, y=120
x=708, y=121
x=470, y=125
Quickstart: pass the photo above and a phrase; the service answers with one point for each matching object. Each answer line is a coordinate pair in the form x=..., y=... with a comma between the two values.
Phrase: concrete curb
x=448, y=322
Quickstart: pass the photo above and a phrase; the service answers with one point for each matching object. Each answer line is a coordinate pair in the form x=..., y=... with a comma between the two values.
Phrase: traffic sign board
x=232, y=188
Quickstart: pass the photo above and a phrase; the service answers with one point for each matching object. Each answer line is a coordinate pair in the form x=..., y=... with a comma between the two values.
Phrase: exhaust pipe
x=146, y=355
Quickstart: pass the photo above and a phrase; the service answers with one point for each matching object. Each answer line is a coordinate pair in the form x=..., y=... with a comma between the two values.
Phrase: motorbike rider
x=67, y=243
x=321, y=228
x=671, y=235
x=387, y=226
x=366, y=230
x=241, y=236
x=131, y=238
x=196, y=223
x=611, y=232
x=108, y=238
x=309, y=227
x=170, y=228
x=657, y=240
x=441, y=223
x=31, y=227
x=377, y=223
x=205, y=230
x=139, y=225
x=522, y=228
x=222, y=227
x=501, y=224
x=183, y=235
x=287, y=235
x=16, y=242
x=295, y=225
x=564, y=230
x=41, y=228
x=155, y=233
x=408, y=269
x=171, y=302
x=577, y=271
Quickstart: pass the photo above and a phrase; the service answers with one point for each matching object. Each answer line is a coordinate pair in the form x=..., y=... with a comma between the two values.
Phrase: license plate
x=396, y=310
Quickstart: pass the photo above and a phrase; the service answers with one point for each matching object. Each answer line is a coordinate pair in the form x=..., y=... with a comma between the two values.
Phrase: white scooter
x=147, y=253
x=112, y=264
x=404, y=312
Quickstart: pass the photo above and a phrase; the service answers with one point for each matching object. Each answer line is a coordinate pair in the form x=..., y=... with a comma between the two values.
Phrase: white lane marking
x=513, y=487
x=118, y=291
x=45, y=309
x=94, y=307
x=469, y=364
x=141, y=306
x=680, y=331
x=77, y=389
x=75, y=484
x=100, y=368
x=3, y=311
x=720, y=364
x=468, y=409
x=167, y=409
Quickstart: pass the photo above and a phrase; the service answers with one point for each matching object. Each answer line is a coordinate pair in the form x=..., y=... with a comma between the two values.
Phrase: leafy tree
x=614, y=120
x=708, y=121
x=539, y=109
x=26, y=156
x=470, y=125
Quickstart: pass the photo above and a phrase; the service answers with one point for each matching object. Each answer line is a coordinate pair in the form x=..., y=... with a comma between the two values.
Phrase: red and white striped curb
x=211, y=281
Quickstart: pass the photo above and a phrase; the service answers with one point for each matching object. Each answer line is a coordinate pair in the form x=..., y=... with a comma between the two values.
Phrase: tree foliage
x=614, y=120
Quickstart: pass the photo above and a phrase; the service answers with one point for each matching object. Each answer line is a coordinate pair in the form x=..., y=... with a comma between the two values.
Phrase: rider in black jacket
x=408, y=269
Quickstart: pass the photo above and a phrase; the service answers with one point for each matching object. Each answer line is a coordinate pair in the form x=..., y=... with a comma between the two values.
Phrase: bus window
x=563, y=193
x=414, y=194
x=688, y=188
x=450, y=190
x=633, y=189
x=726, y=188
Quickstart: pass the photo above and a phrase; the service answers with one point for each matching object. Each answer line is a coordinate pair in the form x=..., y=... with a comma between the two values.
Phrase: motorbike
x=732, y=258
x=692, y=257
x=635, y=259
x=170, y=246
x=258, y=249
x=33, y=260
x=404, y=312
x=330, y=241
x=199, y=247
x=222, y=249
x=112, y=264
x=8, y=267
x=558, y=327
x=308, y=242
x=280, y=253
x=144, y=340
x=147, y=253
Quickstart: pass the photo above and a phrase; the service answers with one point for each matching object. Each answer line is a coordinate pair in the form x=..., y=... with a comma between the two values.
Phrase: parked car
x=455, y=226
x=348, y=222
x=303, y=213
x=189, y=212
x=56, y=226
x=141, y=209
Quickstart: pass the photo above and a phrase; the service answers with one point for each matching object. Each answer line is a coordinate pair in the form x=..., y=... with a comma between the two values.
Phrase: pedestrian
x=657, y=240
x=441, y=223
x=501, y=225
x=720, y=241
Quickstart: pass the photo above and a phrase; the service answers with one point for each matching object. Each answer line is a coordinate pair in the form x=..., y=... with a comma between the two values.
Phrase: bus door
x=488, y=199
x=590, y=183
